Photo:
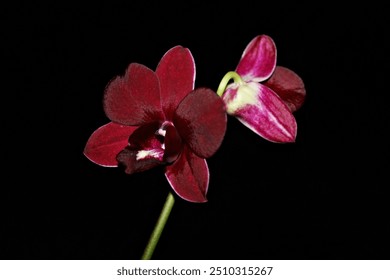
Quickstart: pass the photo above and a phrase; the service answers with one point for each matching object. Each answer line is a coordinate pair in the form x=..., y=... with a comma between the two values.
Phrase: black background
x=323, y=197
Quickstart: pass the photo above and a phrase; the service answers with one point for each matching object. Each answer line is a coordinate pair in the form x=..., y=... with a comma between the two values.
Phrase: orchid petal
x=262, y=111
x=289, y=86
x=189, y=177
x=201, y=121
x=106, y=142
x=134, y=99
x=176, y=72
x=258, y=60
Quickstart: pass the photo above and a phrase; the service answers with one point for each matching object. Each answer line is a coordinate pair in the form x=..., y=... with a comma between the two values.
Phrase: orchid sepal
x=262, y=111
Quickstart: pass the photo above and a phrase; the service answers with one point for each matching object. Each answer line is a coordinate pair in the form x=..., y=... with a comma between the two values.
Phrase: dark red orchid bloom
x=264, y=96
x=159, y=119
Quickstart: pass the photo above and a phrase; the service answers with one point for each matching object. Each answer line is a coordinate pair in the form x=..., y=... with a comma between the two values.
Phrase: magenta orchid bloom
x=158, y=118
x=263, y=96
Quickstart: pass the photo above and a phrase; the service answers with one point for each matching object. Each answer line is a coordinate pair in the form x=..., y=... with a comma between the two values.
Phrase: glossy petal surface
x=134, y=99
x=289, y=86
x=201, y=121
x=258, y=60
x=176, y=73
x=106, y=142
x=173, y=144
x=189, y=177
x=262, y=110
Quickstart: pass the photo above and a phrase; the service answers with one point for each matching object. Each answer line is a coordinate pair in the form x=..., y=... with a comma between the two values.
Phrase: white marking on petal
x=148, y=153
x=248, y=77
x=275, y=120
x=161, y=132
x=246, y=95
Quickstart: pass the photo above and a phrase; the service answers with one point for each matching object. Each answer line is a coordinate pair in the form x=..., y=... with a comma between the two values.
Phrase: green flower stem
x=225, y=80
x=159, y=227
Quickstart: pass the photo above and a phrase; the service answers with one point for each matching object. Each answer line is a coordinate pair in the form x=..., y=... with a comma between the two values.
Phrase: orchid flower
x=263, y=96
x=157, y=118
